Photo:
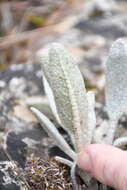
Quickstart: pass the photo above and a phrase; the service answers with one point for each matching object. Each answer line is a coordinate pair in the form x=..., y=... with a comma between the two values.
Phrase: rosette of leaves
x=73, y=107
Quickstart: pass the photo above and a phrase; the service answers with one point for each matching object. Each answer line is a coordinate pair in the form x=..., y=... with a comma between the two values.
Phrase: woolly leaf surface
x=116, y=80
x=68, y=88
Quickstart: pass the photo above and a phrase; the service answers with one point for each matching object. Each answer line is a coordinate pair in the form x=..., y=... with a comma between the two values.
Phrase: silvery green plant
x=116, y=88
x=73, y=106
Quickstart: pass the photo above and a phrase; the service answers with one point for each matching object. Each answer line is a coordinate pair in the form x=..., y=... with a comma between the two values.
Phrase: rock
x=19, y=136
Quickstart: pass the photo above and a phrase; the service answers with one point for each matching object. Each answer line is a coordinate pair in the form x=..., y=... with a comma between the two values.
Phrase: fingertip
x=106, y=163
x=84, y=161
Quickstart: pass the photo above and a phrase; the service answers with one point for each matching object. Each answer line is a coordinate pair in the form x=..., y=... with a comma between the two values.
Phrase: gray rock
x=19, y=137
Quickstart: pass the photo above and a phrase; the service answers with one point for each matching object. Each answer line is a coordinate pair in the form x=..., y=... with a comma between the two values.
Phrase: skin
x=106, y=163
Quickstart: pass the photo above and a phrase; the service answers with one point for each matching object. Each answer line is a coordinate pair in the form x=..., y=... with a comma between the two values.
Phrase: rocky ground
x=87, y=29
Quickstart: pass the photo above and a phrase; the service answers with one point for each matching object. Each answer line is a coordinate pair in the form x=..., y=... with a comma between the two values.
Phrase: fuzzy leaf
x=50, y=96
x=64, y=161
x=45, y=54
x=120, y=142
x=67, y=85
x=91, y=115
x=116, y=80
x=53, y=133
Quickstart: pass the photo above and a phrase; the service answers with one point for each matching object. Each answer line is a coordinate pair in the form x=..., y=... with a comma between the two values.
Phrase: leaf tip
x=119, y=48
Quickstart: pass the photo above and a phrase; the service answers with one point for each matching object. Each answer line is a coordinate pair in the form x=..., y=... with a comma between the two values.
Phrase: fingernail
x=84, y=161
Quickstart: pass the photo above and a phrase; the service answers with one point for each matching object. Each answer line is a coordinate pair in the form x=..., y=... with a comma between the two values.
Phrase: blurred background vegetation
x=23, y=23
x=86, y=27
